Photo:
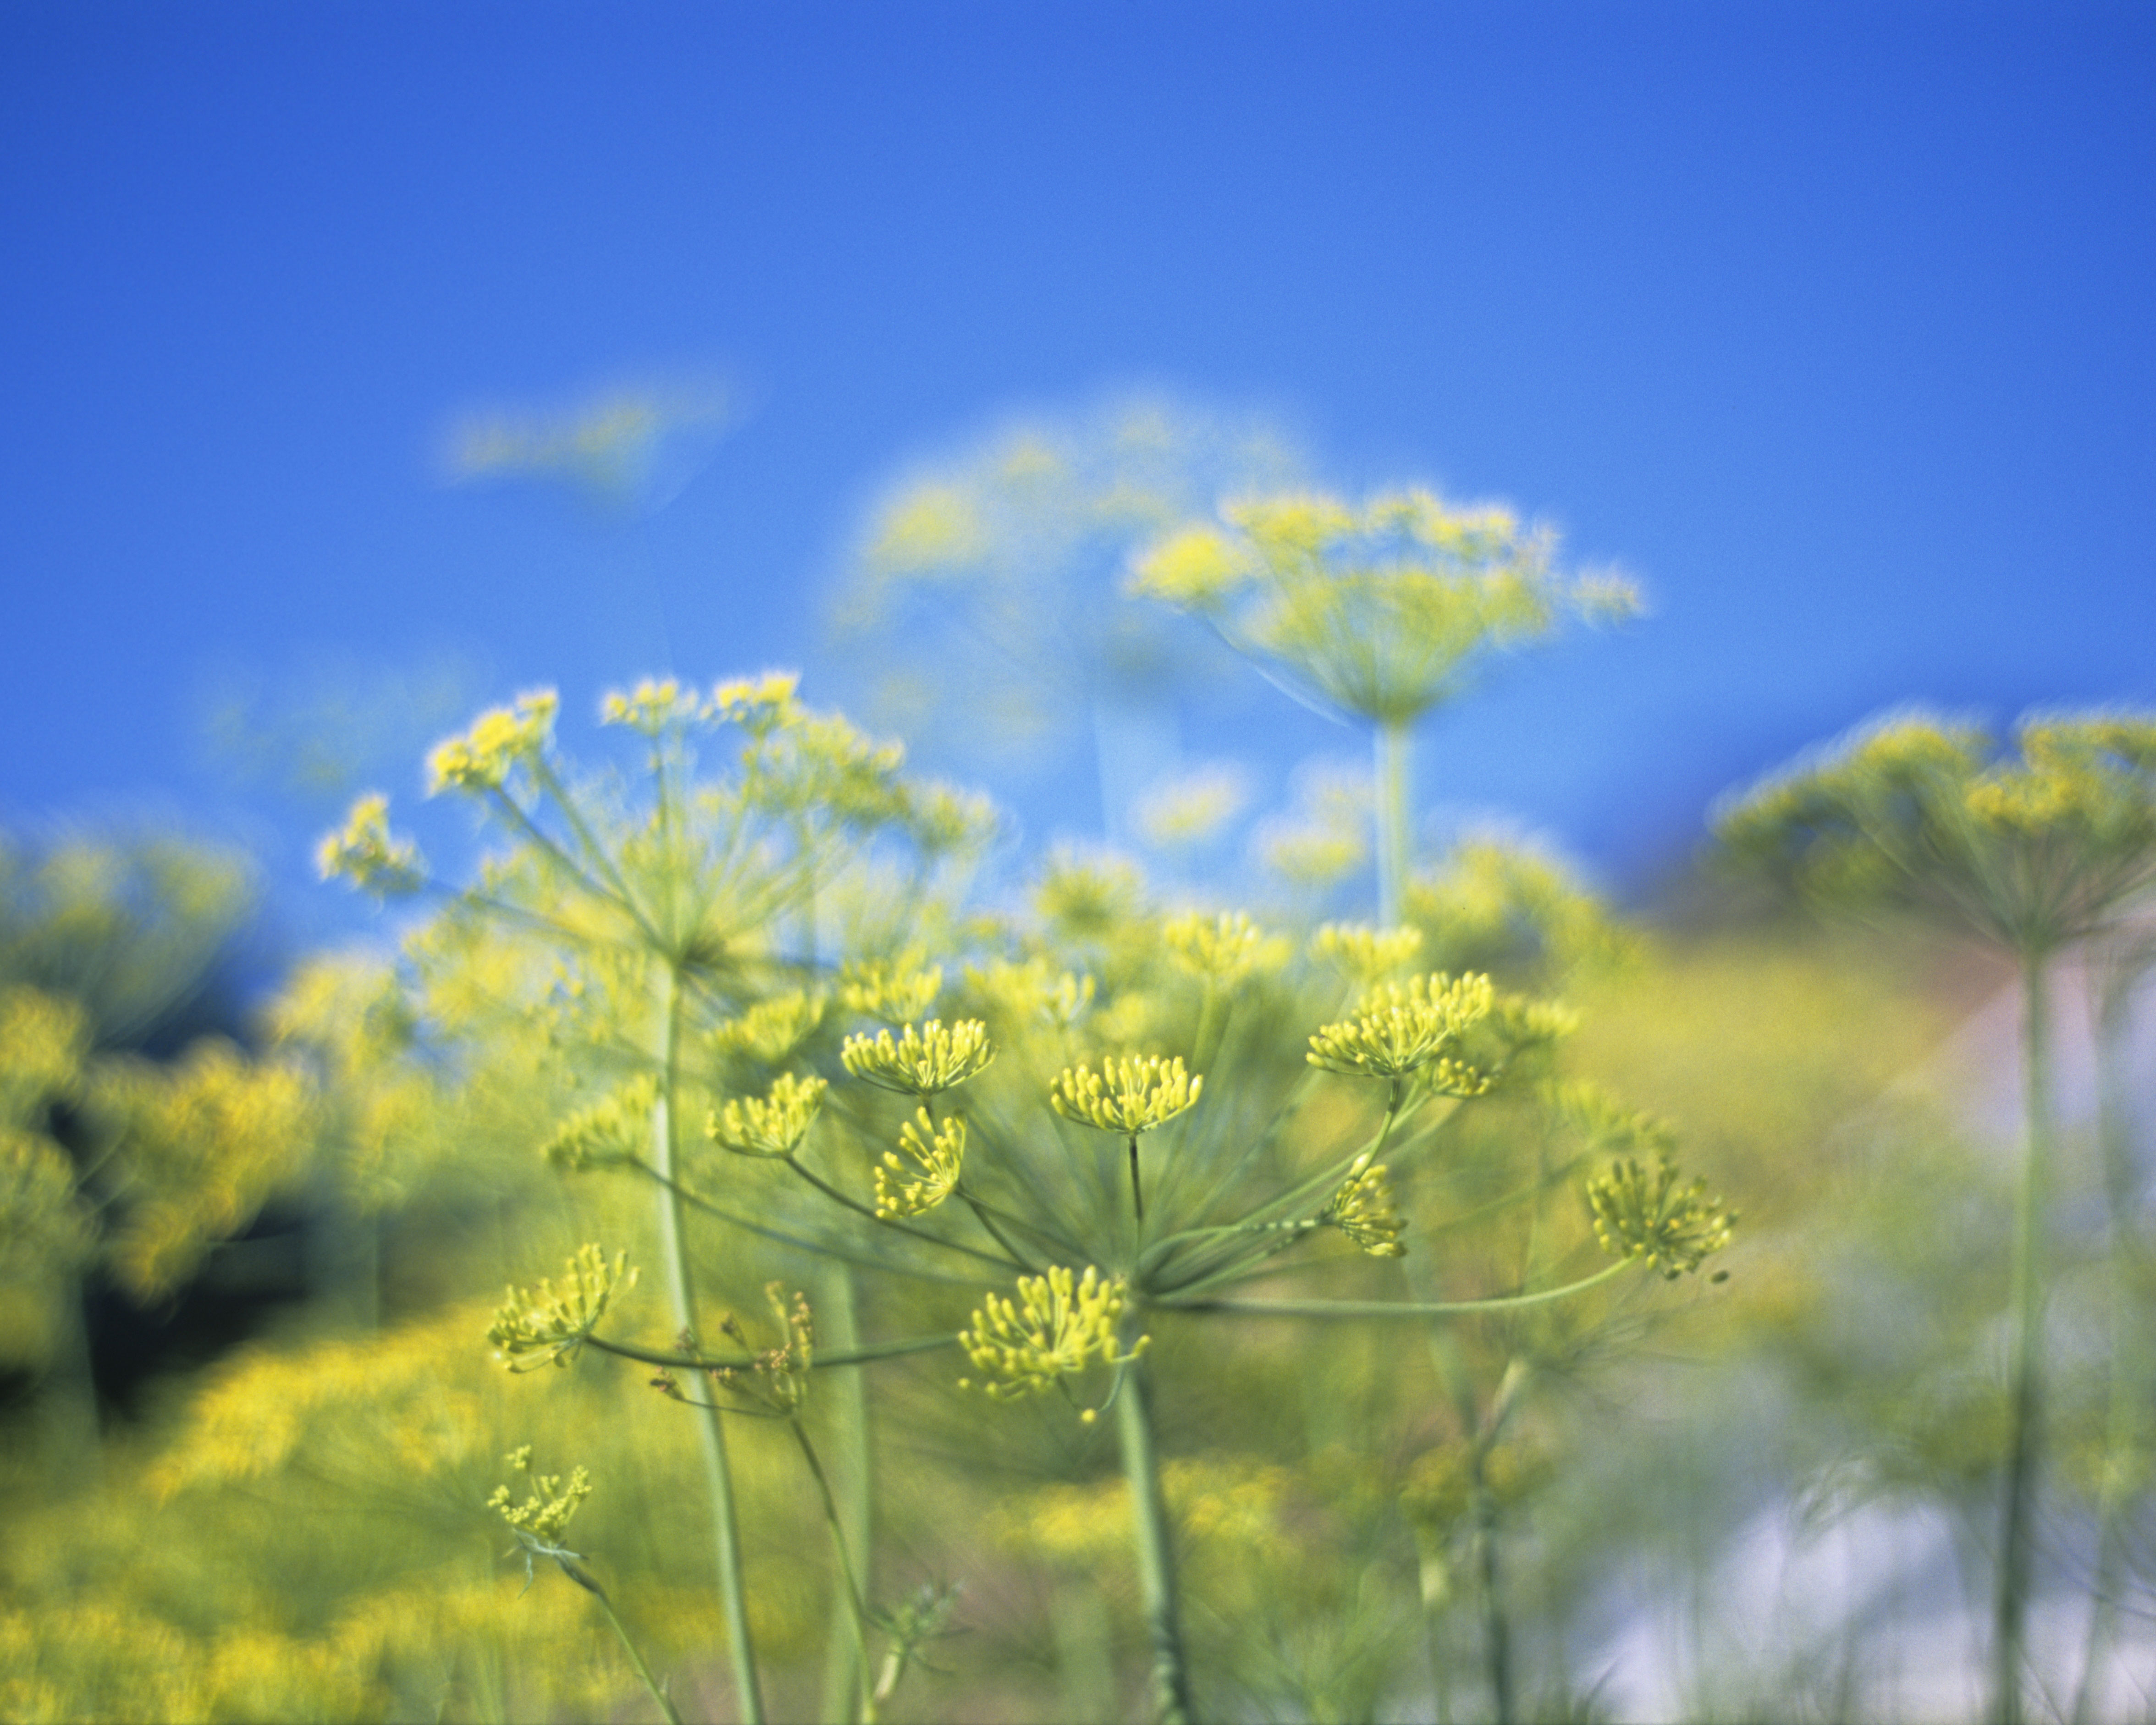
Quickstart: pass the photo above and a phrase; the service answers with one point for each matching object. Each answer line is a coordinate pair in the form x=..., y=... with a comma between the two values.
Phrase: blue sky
x=1829, y=322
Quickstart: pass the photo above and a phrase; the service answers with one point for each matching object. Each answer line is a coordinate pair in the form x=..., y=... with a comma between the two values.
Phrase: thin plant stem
x=642, y=1671
x=1155, y=1547
x=857, y=1610
x=2024, y=1368
x=718, y=1476
x=2128, y=1385
x=860, y=1209
x=866, y=1354
x=1396, y=1308
x=1391, y=739
x=1138, y=1190
x=846, y=1662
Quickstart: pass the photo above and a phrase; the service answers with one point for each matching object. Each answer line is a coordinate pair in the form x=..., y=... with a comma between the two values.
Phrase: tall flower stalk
x=1373, y=614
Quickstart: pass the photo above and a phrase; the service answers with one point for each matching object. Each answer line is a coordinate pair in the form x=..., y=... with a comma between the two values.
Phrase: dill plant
x=2034, y=848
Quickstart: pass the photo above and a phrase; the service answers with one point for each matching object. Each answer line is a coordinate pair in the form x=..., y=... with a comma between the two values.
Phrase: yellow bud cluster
x=1058, y=1325
x=759, y=705
x=770, y=1125
x=1219, y=948
x=607, y=1134
x=1368, y=954
x=548, y=1507
x=1364, y=1211
x=1131, y=1095
x=1398, y=1030
x=363, y=852
x=936, y=1155
x=893, y=989
x=936, y=1058
x=1639, y=1214
x=481, y=758
x=547, y=1327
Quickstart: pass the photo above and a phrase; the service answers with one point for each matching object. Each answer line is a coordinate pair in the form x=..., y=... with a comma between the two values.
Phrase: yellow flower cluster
x=608, y=1133
x=481, y=759
x=652, y=706
x=937, y=1154
x=893, y=989
x=1219, y=948
x=363, y=852
x=1058, y=1325
x=936, y=1058
x=1673, y=1227
x=1367, y=955
x=759, y=705
x=1364, y=1211
x=771, y=1029
x=1131, y=1095
x=1398, y=1030
x=548, y=1506
x=548, y=1328
x=43, y=1041
x=773, y=1124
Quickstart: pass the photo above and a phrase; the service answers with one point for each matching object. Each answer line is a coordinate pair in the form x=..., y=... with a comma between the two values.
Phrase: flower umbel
x=607, y=1134
x=936, y=1057
x=548, y=1506
x=1058, y=1325
x=929, y=1174
x=545, y=1327
x=1364, y=1211
x=771, y=1125
x=1219, y=949
x=481, y=758
x=896, y=990
x=1398, y=1030
x=1638, y=1214
x=1368, y=954
x=363, y=852
x=1128, y=1095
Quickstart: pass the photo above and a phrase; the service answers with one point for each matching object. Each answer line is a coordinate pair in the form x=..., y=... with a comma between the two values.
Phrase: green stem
x=718, y=1476
x=1138, y=1189
x=642, y=1671
x=1392, y=769
x=1395, y=1308
x=2127, y=1389
x=846, y=1661
x=866, y=1354
x=892, y=1222
x=2025, y=1366
x=857, y=1610
x=1155, y=1544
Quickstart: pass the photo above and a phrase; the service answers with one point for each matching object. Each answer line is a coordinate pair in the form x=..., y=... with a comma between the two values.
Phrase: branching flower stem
x=718, y=1475
x=1396, y=1308
x=836, y=1196
x=866, y=1354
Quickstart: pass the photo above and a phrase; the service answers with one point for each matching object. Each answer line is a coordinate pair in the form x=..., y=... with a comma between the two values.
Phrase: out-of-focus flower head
x=363, y=852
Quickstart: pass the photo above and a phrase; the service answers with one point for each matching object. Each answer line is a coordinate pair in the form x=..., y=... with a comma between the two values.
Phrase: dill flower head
x=1367, y=955
x=920, y=1063
x=652, y=706
x=935, y=1155
x=896, y=990
x=773, y=1124
x=759, y=705
x=1058, y=1325
x=608, y=1133
x=1399, y=1030
x=481, y=758
x=545, y=1326
x=363, y=852
x=1639, y=1214
x=548, y=1506
x=1132, y=1095
x=1219, y=949
x=1364, y=1211
x=771, y=1029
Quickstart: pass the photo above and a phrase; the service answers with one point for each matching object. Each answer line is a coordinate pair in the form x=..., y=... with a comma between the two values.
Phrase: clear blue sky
x=1833, y=323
